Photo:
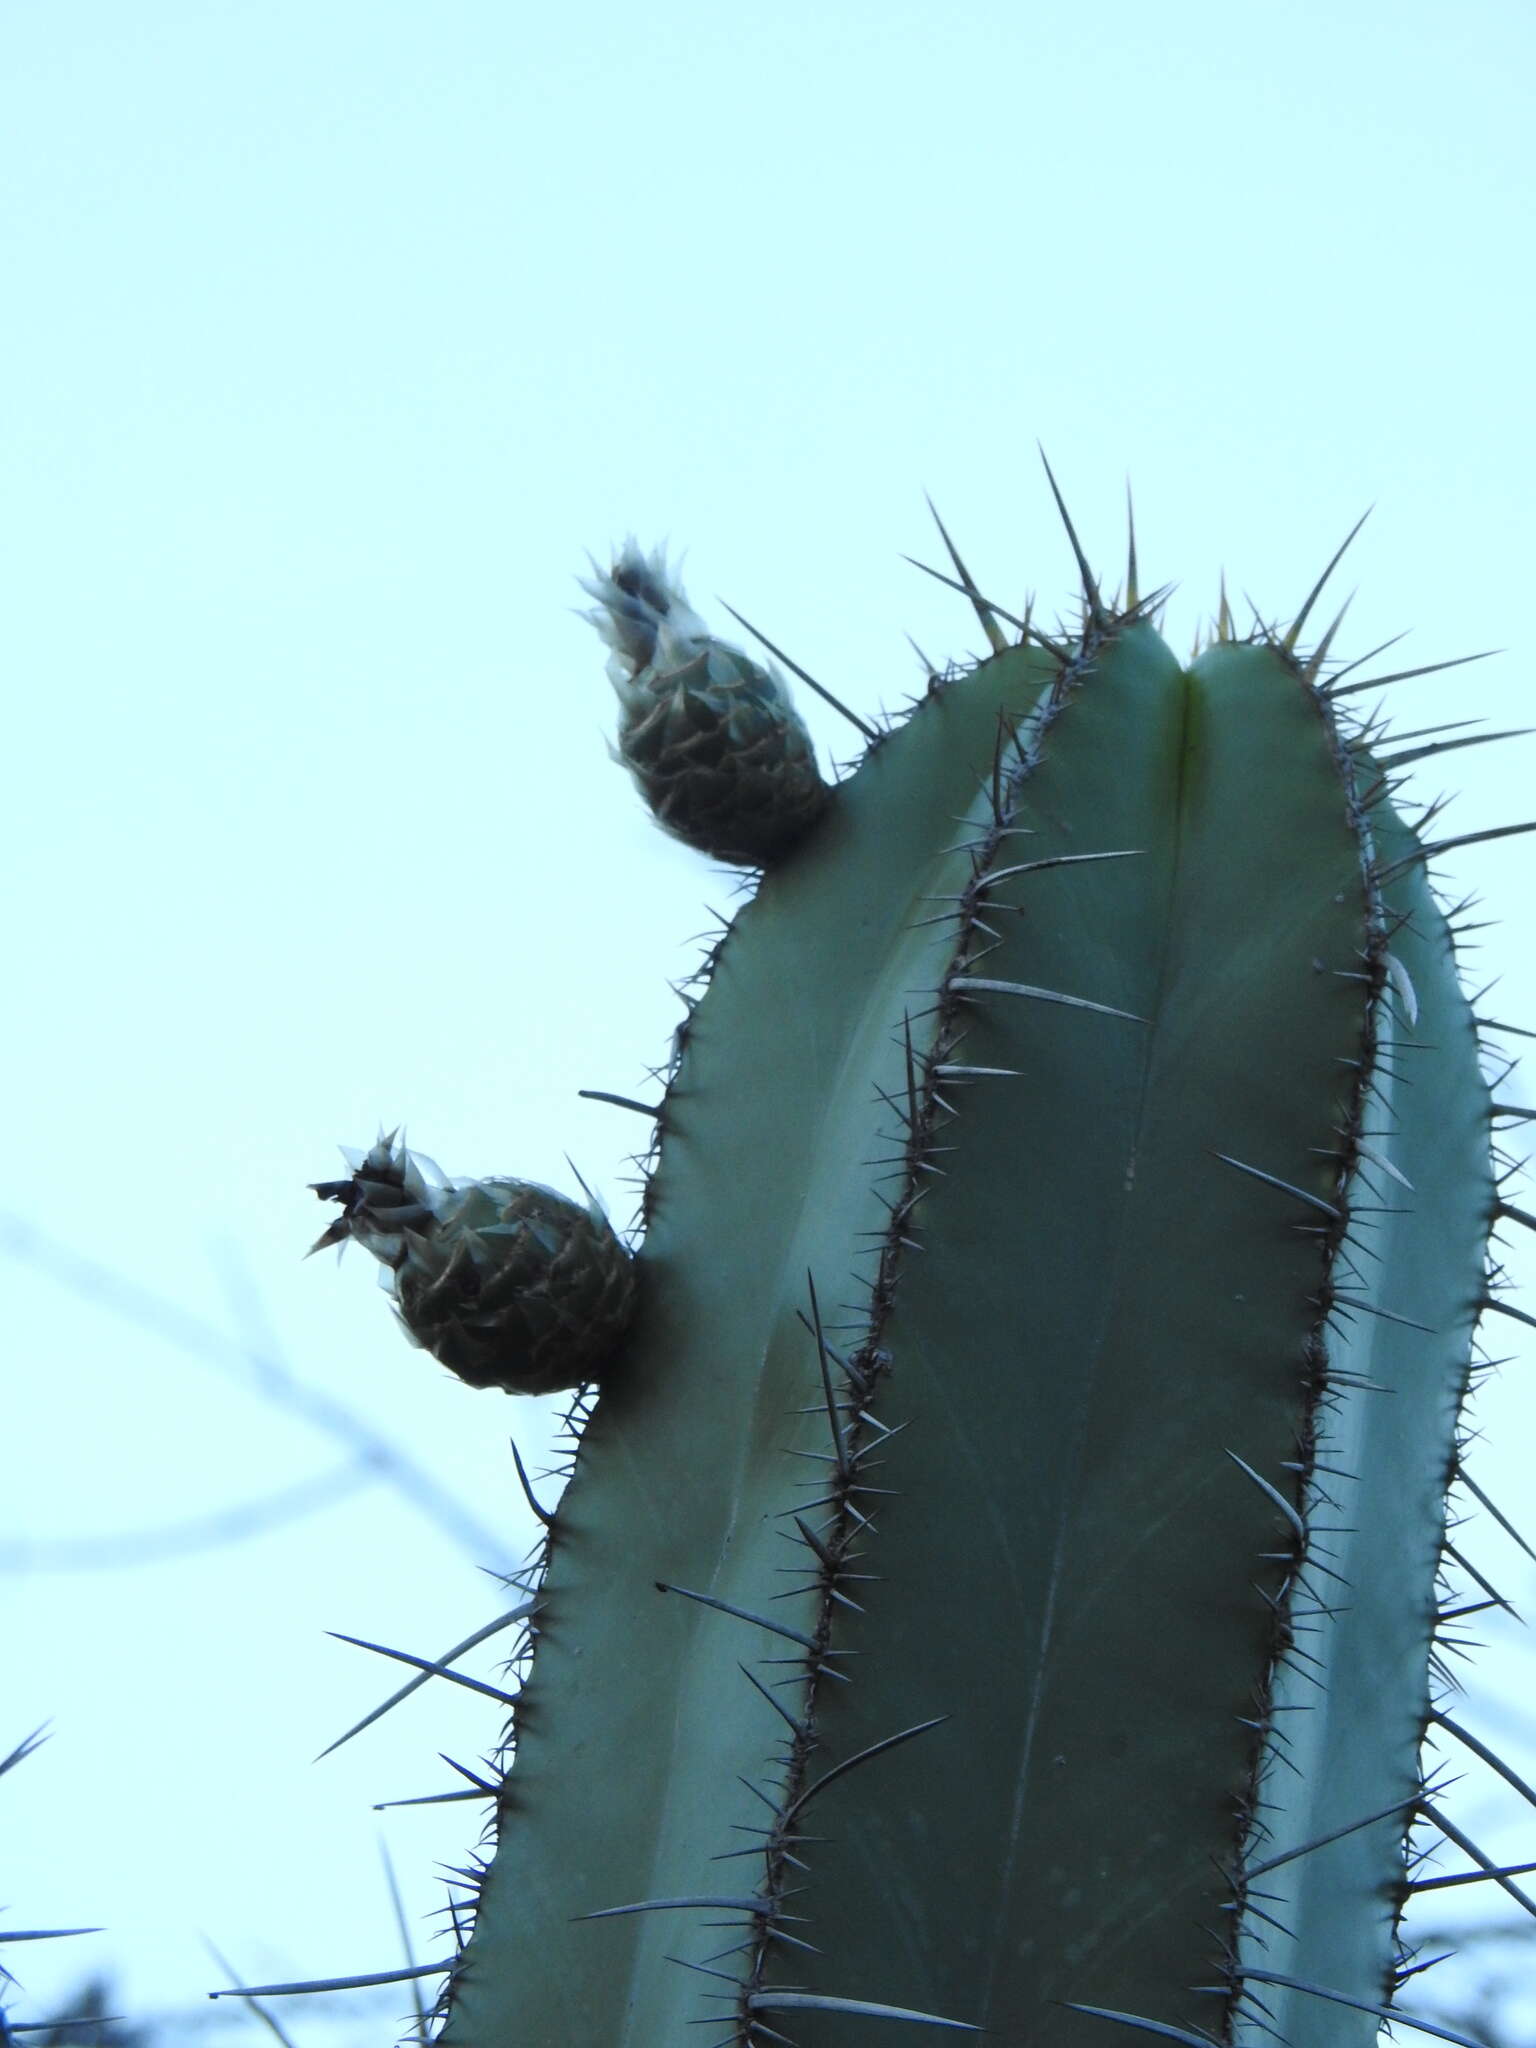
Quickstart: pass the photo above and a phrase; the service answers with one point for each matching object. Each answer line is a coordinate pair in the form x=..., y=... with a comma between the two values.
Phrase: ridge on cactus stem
x=711, y=738
x=506, y=1282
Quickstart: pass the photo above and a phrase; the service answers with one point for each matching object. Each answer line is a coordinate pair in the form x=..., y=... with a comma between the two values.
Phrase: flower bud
x=507, y=1283
x=711, y=738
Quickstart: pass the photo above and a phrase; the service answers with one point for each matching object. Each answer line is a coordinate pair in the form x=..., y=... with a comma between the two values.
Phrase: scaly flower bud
x=507, y=1283
x=711, y=738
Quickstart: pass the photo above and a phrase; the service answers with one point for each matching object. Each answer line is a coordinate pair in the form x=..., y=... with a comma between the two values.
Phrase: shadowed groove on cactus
x=1013, y=1534
x=505, y=1282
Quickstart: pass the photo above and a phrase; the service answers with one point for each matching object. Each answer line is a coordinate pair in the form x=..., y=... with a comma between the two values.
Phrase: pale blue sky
x=336, y=334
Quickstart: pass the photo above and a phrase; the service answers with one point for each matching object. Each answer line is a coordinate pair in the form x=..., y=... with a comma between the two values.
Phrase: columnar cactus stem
x=997, y=1590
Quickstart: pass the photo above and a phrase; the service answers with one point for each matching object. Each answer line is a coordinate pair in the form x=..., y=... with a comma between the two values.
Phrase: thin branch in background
x=261, y=1367
x=418, y=2003
x=24, y=1748
x=197, y=1533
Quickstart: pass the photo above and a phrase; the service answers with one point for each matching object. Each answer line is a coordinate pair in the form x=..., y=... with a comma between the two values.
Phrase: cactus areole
x=997, y=1587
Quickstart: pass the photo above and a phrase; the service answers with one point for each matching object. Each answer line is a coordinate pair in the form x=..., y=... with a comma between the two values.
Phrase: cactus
x=997, y=1589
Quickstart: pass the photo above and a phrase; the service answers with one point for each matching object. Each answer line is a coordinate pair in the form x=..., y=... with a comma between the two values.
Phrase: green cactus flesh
x=1058, y=1293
